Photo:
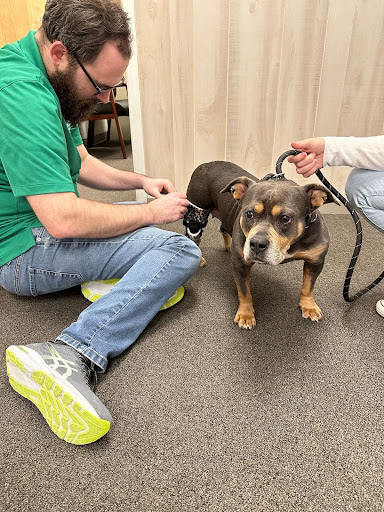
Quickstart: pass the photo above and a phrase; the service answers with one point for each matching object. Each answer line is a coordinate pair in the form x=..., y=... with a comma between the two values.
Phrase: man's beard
x=74, y=110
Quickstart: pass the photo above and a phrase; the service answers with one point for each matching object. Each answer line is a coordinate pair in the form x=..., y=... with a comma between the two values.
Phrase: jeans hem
x=87, y=352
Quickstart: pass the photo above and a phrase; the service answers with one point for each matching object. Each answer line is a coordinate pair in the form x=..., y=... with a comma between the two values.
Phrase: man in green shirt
x=50, y=238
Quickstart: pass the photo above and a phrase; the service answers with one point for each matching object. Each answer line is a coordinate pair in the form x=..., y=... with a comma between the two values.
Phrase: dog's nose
x=259, y=244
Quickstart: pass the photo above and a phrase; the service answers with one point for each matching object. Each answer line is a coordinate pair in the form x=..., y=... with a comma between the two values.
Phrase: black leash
x=359, y=229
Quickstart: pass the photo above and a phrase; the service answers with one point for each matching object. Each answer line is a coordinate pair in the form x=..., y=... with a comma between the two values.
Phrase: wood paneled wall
x=17, y=17
x=240, y=79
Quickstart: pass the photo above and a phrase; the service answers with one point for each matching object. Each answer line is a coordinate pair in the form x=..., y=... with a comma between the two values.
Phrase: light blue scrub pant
x=150, y=262
x=365, y=191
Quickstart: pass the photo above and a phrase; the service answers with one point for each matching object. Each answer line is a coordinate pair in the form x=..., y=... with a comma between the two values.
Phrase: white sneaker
x=380, y=307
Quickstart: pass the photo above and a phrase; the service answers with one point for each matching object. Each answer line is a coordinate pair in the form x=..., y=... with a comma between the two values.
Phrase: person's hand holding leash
x=311, y=157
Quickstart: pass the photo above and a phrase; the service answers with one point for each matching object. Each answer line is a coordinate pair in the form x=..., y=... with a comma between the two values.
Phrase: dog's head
x=274, y=215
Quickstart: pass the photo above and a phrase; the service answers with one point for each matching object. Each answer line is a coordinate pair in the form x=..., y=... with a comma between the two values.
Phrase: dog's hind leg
x=227, y=238
x=195, y=221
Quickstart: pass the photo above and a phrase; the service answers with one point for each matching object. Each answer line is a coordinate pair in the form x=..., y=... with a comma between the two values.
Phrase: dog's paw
x=311, y=311
x=202, y=262
x=227, y=242
x=245, y=320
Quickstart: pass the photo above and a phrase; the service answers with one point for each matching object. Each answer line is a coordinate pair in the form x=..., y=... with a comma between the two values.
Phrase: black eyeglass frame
x=98, y=89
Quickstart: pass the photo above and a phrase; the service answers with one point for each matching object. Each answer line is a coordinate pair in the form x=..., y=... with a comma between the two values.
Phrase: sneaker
x=380, y=307
x=56, y=378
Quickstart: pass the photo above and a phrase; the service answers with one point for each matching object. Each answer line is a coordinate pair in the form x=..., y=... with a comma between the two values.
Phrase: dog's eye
x=285, y=219
x=249, y=214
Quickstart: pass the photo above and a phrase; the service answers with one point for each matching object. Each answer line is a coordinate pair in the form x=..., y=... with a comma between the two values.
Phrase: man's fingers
x=169, y=188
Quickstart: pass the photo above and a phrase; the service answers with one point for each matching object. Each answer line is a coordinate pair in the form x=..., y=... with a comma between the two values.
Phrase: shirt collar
x=31, y=50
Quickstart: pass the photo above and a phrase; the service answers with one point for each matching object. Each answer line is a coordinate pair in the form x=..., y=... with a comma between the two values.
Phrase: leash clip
x=271, y=176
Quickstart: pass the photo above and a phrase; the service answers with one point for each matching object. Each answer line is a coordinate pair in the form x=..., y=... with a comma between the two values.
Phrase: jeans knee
x=190, y=254
x=185, y=247
x=193, y=251
x=365, y=191
x=354, y=189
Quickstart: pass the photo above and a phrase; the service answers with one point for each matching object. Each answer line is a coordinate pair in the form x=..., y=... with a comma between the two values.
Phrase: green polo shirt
x=38, y=153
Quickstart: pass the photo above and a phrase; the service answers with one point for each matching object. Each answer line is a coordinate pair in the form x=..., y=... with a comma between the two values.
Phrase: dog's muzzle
x=195, y=221
x=261, y=247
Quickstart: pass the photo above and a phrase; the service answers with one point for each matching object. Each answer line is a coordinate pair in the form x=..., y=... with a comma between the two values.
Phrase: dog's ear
x=238, y=187
x=319, y=195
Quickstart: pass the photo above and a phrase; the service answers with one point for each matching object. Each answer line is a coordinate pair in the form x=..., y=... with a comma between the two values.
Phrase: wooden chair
x=111, y=110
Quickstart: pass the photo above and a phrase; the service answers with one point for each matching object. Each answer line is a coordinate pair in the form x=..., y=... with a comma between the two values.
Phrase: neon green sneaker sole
x=93, y=290
x=66, y=417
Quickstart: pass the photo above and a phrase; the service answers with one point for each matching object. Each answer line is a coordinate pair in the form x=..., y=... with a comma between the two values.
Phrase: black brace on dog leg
x=194, y=221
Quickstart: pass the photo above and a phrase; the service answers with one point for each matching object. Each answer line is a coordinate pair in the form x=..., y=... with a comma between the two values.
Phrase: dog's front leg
x=245, y=317
x=309, y=308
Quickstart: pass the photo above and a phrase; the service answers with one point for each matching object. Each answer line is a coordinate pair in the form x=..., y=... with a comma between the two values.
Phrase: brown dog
x=270, y=222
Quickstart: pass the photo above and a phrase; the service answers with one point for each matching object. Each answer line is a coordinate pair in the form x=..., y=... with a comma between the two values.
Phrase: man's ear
x=319, y=195
x=59, y=55
x=238, y=187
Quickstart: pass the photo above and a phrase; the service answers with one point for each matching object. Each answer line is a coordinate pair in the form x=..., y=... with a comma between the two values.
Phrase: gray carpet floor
x=209, y=417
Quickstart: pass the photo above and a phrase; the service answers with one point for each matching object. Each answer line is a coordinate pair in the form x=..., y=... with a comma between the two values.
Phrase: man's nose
x=104, y=97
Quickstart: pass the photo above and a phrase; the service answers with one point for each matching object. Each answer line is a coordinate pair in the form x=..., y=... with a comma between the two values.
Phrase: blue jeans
x=150, y=262
x=365, y=191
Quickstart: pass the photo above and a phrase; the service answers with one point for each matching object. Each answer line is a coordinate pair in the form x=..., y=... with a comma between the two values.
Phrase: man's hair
x=84, y=26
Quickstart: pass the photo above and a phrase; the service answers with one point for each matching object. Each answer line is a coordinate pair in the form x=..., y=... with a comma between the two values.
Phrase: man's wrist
x=139, y=180
x=146, y=213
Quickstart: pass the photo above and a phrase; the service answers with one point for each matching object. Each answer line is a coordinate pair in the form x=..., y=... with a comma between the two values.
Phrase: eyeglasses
x=99, y=90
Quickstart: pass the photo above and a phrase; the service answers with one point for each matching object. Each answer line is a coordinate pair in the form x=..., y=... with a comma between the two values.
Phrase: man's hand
x=311, y=157
x=156, y=187
x=168, y=208
x=169, y=205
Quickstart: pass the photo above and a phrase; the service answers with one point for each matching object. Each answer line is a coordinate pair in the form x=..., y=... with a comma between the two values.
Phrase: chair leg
x=109, y=129
x=90, y=134
x=121, y=138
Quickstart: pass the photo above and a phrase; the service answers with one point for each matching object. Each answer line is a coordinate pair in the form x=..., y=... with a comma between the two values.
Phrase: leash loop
x=358, y=226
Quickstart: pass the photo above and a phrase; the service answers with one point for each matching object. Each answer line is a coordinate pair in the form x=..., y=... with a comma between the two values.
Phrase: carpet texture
x=209, y=417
